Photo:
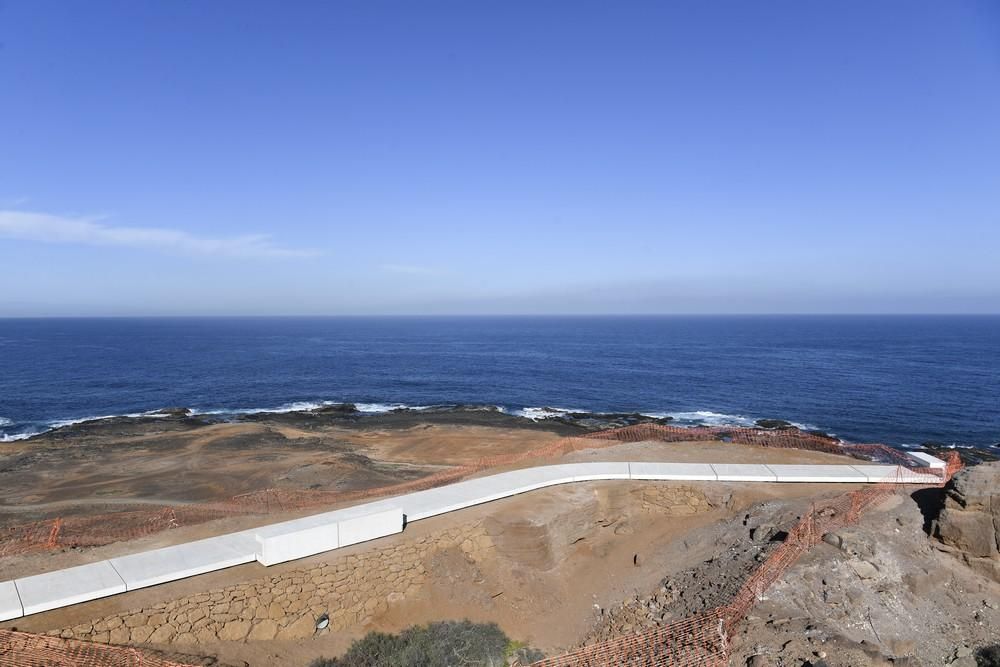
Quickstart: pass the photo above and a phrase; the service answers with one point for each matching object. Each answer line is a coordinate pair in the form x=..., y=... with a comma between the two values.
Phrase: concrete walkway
x=298, y=538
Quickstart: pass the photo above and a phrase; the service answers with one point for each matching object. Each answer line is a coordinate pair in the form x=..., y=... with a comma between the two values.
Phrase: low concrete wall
x=370, y=527
x=294, y=544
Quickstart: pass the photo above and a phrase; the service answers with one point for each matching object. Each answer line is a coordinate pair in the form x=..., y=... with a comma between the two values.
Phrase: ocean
x=901, y=380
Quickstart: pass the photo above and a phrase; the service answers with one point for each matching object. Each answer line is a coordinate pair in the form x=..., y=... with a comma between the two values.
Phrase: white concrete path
x=298, y=538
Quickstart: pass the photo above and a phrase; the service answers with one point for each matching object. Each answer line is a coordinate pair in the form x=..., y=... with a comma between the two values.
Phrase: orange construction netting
x=22, y=649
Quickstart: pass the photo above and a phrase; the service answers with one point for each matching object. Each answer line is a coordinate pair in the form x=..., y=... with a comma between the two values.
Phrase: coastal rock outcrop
x=337, y=409
x=969, y=523
x=772, y=423
x=174, y=411
x=595, y=421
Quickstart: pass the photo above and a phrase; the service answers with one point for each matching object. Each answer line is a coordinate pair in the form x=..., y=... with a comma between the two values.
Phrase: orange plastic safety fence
x=698, y=641
x=21, y=649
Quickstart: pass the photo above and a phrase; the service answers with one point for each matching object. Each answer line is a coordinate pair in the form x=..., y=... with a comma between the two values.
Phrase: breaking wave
x=535, y=414
x=684, y=418
x=25, y=429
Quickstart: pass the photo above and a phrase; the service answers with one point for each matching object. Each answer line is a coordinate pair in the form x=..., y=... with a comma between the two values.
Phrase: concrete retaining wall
x=351, y=589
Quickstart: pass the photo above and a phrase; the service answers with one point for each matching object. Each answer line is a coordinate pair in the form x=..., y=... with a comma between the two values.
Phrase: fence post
x=53, y=540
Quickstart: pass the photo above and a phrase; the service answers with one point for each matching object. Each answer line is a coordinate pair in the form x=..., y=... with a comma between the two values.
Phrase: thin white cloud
x=410, y=269
x=46, y=228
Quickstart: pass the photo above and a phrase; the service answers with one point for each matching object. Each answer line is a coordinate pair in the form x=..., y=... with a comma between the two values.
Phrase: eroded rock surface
x=969, y=524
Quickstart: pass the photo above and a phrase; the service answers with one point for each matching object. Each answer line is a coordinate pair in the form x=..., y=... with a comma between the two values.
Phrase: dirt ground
x=217, y=461
x=597, y=528
x=99, y=467
x=880, y=593
x=101, y=474
x=589, y=546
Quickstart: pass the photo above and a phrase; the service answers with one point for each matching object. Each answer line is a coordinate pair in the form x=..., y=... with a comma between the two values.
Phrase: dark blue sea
x=901, y=380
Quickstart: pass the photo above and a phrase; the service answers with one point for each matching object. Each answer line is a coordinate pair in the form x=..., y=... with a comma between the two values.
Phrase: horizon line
x=488, y=315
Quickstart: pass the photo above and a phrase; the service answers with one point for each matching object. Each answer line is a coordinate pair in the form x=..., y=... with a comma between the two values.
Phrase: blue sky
x=499, y=157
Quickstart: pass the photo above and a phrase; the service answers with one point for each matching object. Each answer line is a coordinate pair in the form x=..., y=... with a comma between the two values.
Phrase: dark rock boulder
x=772, y=423
x=337, y=409
x=596, y=421
x=175, y=411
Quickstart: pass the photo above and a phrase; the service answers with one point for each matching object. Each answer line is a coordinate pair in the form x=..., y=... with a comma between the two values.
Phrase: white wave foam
x=709, y=418
x=535, y=414
x=300, y=406
x=6, y=422
x=156, y=414
x=811, y=427
x=297, y=406
x=932, y=445
x=692, y=418
x=14, y=437
x=306, y=406
x=59, y=423
x=697, y=417
x=377, y=408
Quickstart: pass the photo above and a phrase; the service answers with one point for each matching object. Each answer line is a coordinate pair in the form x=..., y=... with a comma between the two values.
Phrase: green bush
x=988, y=656
x=444, y=644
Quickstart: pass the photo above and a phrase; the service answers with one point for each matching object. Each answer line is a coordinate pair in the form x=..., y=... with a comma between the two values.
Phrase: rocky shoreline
x=349, y=415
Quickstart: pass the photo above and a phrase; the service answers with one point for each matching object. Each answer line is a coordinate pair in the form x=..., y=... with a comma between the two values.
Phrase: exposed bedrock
x=969, y=523
x=544, y=538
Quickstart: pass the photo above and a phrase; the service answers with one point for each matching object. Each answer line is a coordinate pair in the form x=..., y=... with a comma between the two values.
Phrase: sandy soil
x=515, y=589
x=187, y=461
x=216, y=462
x=877, y=594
